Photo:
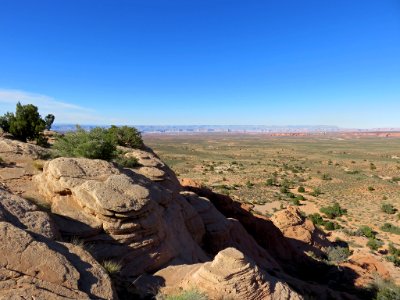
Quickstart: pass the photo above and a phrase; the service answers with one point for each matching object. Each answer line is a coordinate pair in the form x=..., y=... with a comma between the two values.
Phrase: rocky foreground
x=61, y=220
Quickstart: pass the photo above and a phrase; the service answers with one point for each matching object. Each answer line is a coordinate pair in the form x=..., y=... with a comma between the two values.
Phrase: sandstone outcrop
x=231, y=275
x=26, y=215
x=257, y=226
x=33, y=265
x=151, y=166
x=122, y=214
x=300, y=231
x=13, y=147
x=221, y=232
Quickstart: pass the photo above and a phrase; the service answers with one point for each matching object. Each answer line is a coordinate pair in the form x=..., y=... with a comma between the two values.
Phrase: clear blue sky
x=273, y=62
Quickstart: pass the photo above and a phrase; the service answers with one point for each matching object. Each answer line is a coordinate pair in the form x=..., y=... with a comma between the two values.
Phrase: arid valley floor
x=359, y=172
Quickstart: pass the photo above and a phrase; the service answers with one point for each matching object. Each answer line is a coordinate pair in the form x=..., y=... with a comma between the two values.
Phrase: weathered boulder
x=36, y=267
x=14, y=147
x=300, y=231
x=122, y=214
x=26, y=215
x=151, y=166
x=231, y=275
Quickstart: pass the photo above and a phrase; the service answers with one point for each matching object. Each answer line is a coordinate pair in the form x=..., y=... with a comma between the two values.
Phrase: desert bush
x=301, y=189
x=388, y=208
x=316, y=192
x=374, y=244
x=26, y=124
x=388, y=227
x=331, y=225
x=316, y=219
x=126, y=136
x=366, y=231
x=96, y=144
x=371, y=188
x=338, y=254
x=269, y=182
x=333, y=211
x=296, y=202
x=284, y=190
x=385, y=290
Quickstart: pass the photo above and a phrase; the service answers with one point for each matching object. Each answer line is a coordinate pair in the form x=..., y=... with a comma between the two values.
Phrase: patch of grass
x=388, y=208
x=127, y=162
x=77, y=242
x=388, y=227
x=38, y=165
x=385, y=290
x=338, y=254
x=185, y=295
x=112, y=267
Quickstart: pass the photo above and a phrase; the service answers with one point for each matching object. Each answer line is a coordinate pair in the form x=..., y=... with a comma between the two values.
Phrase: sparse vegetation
x=388, y=208
x=374, y=244
x=333, y=211
x=388, y=227
x=192, y=294
x=112, y=267
x=338, y=254
x=385, y=290
x=96, y=144
x=127, y=162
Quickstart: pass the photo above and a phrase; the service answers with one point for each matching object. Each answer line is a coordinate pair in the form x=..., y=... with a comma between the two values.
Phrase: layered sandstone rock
x=231, y=275
x=221, y=232
x=122, y=214
x=13, y=147
x=26, y=215
x=300, y=231
x=33, y=265
x=151, y=166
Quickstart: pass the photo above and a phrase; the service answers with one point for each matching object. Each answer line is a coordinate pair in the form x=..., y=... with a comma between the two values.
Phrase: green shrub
x=338, y=254
x=374, y=244
x=393, y=259
x=316, y=219
x=366, y=231
x=96, y=144
x=26, y=124
x=388, y=208
x=333, y=211
x=331, y=225
x=269, y=182
x=301, y=189
x=316, y=192
x=388, y=227
x=126, y=136
x=296, y=202
x=371, y=188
